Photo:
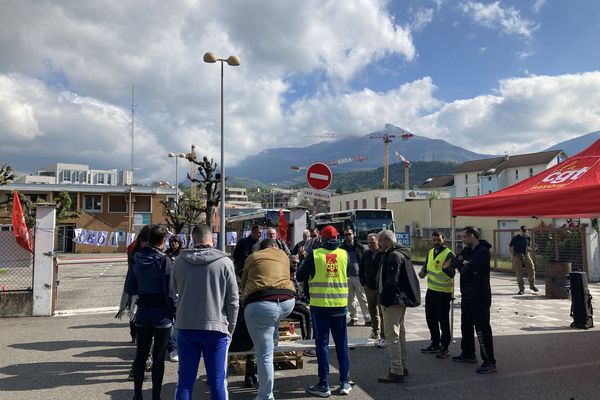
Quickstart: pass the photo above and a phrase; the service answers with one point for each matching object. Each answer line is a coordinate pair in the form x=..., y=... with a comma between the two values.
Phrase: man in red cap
x=325, y=269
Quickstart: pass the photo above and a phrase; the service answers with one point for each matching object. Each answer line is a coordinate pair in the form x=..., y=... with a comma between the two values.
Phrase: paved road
x=90, y=285
x=88, y=356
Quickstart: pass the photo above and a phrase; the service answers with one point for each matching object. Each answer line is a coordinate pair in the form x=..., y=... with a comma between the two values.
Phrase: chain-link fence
x=548, y=243
x=16, y=264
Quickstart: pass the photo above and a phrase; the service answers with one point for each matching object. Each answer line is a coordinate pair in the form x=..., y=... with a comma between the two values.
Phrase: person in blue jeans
x=325, y=269
x=268, y=295
x=207, y=308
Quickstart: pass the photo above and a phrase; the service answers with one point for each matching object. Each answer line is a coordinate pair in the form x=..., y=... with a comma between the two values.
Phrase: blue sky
x=490, y=76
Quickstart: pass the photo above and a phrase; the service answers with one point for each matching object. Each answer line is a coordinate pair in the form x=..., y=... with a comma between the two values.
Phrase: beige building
x=104, y=208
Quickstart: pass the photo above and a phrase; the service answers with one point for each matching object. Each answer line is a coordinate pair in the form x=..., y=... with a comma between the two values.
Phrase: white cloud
x=94, y=50
x=421, y=19
x=528, y=114
x=537, y=6
x=508, y=20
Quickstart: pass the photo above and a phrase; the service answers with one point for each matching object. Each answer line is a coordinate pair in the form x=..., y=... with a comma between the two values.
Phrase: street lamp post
x=273, y=194
x=176, y=157
x=233, y=61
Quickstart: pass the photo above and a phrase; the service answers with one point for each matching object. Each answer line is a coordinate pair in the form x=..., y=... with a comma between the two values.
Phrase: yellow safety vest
x=329, y=286
x=436, y=278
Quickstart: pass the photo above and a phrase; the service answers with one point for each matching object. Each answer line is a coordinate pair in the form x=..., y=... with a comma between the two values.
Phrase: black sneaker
x=352, y=322
x=431, y=349
x=533, y=288
x=465, y=359
x=520, y=292
x=486, y=368
x=443, y=353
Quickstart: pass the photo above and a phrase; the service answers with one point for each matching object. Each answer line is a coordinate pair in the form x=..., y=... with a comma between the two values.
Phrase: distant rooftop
x=492, y=166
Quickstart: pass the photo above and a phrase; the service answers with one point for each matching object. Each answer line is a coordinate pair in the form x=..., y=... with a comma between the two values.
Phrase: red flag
x=282, y=227
x=19, y=226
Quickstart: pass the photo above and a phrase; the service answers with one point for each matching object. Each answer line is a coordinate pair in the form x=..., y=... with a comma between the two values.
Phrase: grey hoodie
x=204, y=278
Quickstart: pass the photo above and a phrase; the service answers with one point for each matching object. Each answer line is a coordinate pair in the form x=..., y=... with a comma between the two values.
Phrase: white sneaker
x=381, y=343
x=173, y=356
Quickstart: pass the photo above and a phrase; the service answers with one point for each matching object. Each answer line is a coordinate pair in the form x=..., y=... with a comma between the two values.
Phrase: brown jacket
x=267, y=271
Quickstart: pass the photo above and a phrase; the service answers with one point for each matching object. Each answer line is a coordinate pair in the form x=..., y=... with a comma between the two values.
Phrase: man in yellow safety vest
x=325, y=269
x=440, y=289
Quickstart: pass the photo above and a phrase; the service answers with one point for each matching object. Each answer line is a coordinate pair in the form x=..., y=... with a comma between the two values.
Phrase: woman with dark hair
x=174, y=247
x=149, y=279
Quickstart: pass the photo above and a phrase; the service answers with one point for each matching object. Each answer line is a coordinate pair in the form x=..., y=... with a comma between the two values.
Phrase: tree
x=210, y=184
x=63, y=208
x=7, y=175
x=185, y=212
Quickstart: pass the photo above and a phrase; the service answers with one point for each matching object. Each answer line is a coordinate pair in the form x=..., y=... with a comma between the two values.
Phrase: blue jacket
x=149, y=279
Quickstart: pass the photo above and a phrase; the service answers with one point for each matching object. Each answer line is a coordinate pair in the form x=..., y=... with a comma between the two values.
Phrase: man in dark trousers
x=325, y=270
x=355, y=287
x=519, y=248
x=440, y=289
x=245, y=247
x=473, y=263
x=367, y=272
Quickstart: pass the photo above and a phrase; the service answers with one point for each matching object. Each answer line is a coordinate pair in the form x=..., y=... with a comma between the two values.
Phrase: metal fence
x=548, y=243
x=16, y=264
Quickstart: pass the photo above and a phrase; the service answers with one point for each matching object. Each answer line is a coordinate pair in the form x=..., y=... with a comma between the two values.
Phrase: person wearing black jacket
x=245, y=247
x=398, y=288
x=367, y=273
x=355, y=285
x=149, y=280
x=473, y=263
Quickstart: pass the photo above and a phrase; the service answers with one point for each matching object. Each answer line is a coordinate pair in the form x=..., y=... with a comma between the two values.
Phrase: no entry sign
x=319, y=176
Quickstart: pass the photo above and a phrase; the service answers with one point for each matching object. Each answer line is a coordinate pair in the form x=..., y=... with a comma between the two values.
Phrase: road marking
x=319, y=176
x=86, y=311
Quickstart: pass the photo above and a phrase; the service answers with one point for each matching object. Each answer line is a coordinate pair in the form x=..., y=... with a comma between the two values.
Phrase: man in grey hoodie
x=207, y=308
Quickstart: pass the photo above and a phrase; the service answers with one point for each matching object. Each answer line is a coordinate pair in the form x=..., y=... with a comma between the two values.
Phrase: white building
x=77, y=174
x=369, y=199
x=477, y=177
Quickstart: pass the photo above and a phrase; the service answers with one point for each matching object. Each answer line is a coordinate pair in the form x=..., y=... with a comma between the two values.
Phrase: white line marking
x=84, y=311
x=319, y=176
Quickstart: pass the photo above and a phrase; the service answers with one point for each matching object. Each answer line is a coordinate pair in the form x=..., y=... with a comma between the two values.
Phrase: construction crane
x=406, y=166
x=339, y=161
x=387, y=139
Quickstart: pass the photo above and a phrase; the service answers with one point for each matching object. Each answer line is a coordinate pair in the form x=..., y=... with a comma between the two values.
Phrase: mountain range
x=273, y=166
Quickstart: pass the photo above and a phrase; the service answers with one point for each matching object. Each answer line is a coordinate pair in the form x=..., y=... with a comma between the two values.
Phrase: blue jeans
x=192, y=343
x=262, y=320
x=322, y=324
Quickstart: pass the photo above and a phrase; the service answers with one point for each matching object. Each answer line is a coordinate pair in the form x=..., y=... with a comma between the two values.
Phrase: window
x=478, y=192
x=355, y=204
x=66, y=176
x=489, y=178
x=383, y=202
x=466, y=179
x=92, y=202
x=364, y=203
x=117, y=204
x=347, y=204
x=108, y=179
x=100, y=179
x=530, y=172
x=340, y=206
x=142, y=204
x=516, y=174
x=466, y=192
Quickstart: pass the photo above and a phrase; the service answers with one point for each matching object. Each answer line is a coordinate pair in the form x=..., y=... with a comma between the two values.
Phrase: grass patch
x=3, y=270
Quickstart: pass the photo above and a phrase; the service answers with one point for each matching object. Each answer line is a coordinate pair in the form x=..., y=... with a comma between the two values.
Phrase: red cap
x=329, y=232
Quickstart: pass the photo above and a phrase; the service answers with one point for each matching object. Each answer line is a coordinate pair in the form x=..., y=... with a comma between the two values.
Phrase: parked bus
x=242, y=223
x=362, y=222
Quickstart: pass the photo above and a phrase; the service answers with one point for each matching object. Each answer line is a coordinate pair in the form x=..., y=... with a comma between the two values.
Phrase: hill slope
x=273, y=165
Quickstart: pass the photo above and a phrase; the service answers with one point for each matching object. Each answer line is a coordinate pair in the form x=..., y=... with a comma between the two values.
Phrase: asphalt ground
x=87, y=356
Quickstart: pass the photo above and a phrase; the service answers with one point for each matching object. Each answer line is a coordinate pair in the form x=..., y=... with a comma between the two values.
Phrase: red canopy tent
x=570, y=189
